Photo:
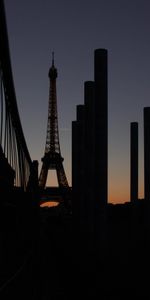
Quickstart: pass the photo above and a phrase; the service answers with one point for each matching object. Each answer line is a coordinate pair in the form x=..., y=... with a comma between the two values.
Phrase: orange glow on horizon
x=118, y=187
x=122, y=195
x=49, y=204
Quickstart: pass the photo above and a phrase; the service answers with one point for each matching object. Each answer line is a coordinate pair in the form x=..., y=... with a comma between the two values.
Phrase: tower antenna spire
x=53, y=59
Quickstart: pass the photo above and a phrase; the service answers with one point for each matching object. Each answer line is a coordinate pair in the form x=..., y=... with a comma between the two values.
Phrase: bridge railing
x=14, y=156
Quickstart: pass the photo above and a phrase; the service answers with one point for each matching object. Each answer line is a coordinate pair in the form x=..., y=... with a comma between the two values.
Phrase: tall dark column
x=81, y=153
x=147, y=153
x=75, y=163
x=89, y=154
x=134, y=161
x=100, y=128
x=78, y=166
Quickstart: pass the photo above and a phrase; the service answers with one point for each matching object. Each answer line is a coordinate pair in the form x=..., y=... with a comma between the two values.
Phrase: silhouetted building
x=134, y=162
x=147, y=153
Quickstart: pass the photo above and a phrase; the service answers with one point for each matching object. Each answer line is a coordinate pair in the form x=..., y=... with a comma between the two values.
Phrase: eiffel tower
x=52, y=159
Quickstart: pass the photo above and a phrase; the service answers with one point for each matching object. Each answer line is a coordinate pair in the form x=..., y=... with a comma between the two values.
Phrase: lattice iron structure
x=52, y=159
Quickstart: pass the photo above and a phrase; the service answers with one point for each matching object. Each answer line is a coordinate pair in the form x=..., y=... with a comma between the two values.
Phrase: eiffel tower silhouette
x=52, y=159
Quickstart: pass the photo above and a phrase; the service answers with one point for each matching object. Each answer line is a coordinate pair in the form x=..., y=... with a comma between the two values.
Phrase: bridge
x=17, y=167
x=20, y=191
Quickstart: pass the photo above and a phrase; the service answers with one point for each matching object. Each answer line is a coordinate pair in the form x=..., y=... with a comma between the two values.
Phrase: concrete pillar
x=134, y=161
x=100, y=178
x=100, y=128
x=147, y=153
x=75, y=163
x=78, y=166
x=89, y=153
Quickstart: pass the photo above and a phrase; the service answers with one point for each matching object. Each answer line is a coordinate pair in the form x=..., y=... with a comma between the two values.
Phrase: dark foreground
x=50, y=259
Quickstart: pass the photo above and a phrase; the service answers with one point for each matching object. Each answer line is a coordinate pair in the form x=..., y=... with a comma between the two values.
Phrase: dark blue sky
x=73, y=29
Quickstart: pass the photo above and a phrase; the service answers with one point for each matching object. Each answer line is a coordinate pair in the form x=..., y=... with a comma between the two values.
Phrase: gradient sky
x=73, y=29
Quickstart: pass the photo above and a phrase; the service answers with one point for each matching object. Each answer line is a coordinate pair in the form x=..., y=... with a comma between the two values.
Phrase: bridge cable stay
x=14, y=153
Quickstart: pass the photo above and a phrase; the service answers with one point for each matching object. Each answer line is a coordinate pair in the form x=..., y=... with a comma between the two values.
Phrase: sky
x=73, y=29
